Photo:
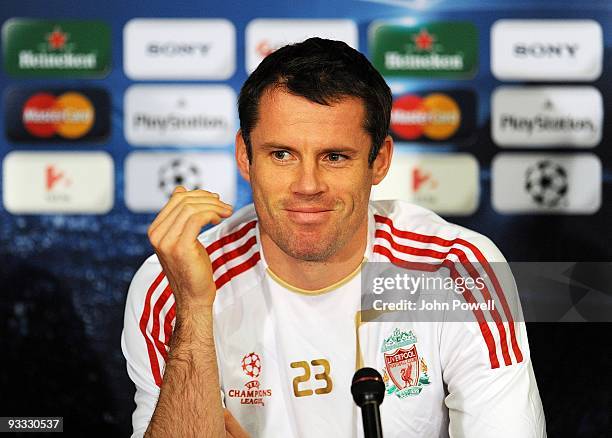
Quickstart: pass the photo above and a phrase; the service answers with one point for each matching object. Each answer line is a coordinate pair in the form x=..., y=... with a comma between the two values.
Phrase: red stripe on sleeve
x=500, y=294
x=412, y=236
x=168, y=324
x=154, y=342
x=237, y=270
x=161, y=301
x=237, y=252
x=232, y=237
x=487, y=297
x=481, y=259
x=144, y=320
x=484, y=327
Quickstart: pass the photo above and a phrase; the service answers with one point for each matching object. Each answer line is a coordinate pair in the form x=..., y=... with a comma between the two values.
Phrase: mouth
x=308, y=215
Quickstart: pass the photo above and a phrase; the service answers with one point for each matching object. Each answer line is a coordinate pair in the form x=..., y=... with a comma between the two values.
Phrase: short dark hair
x=323, y=71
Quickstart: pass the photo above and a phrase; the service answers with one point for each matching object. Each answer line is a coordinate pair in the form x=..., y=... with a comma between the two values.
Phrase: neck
x=315, y=275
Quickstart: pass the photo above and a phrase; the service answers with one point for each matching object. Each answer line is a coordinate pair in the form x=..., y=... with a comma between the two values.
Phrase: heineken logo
x=56, y=54
x=444, y=49
x=424, y=41
x=57, y=39
x=63, y=48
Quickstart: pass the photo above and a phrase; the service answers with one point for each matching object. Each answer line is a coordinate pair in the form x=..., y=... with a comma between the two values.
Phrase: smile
x=308, y=216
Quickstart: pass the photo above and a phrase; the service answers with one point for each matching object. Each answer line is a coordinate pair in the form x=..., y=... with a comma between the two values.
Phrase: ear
x=242, y=158
x=382, y=162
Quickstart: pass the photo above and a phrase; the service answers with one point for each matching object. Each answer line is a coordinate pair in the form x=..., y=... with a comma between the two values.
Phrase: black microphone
x=368, y=391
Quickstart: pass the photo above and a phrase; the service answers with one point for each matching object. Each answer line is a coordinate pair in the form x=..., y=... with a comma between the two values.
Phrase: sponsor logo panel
x=554, y=50
x=432, y=50
x=264, y=36
x=445, y=183
x=58, y=182
x=433, y=116
x=64, y=48
x=547, y=116
x=179, y=49
x=150, y=178
x=546, y=183
x=58, y=114
x=199, y=115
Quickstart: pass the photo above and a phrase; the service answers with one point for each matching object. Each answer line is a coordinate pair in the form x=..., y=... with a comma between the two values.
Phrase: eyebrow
x=341, y=149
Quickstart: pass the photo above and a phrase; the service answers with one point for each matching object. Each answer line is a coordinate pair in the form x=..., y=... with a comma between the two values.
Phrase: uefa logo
x=151, y=177
x=546, y=183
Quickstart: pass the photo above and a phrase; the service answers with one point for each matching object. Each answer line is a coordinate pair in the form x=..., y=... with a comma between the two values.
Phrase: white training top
x=286, y=358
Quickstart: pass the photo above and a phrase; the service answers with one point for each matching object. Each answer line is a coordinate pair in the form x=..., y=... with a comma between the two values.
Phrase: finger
x=178, y=245
x=210, y=197
x=155, y=232
x=205, y=214
x=178, y=194
x=175, y=199
x=185, y=196
x=201, y=204
x=170, y=211
x=232, y=426
x=192, y=228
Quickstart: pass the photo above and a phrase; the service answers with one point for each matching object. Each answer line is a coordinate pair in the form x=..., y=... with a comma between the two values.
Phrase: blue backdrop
x=65, y=277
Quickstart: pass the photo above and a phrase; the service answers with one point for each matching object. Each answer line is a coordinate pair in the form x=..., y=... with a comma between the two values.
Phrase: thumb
x=179, y=189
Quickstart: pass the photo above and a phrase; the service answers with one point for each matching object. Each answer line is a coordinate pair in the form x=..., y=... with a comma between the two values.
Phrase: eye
x=336, y=157
x=280, y=155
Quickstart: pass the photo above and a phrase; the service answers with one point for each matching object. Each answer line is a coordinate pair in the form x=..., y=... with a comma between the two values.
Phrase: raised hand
x=174, y=236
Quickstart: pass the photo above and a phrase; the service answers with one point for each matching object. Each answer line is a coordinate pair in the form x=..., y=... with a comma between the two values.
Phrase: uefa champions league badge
x=405, y=373
x=252, y=393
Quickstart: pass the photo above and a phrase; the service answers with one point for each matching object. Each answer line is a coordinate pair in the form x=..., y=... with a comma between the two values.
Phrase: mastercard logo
x=70, y=115
x=435, y=116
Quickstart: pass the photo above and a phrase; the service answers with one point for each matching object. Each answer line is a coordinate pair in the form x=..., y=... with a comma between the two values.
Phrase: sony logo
x=171, y=48
x=546, y=50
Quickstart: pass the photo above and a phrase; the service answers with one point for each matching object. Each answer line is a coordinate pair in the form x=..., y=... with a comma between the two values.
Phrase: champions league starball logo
x=179, y=172
x=547, y=183
x=251, y=365
x=253, y=394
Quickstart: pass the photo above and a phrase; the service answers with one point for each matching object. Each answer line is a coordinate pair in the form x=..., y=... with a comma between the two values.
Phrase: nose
x=308, y=179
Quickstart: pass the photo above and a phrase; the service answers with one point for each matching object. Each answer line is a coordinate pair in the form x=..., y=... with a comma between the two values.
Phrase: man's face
x=309, y=173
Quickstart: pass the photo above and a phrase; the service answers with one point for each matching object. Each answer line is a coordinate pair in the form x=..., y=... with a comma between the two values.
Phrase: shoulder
x=150, y=307
x=231, y=245
x=411, y=236
x=405, y=227
x=233, y=250
x=242, y=223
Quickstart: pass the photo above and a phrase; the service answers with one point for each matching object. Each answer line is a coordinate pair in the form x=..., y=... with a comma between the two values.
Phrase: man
x=261, y=314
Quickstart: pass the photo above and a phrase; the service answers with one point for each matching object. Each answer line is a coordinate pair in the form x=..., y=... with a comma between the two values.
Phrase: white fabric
x=254, y=313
